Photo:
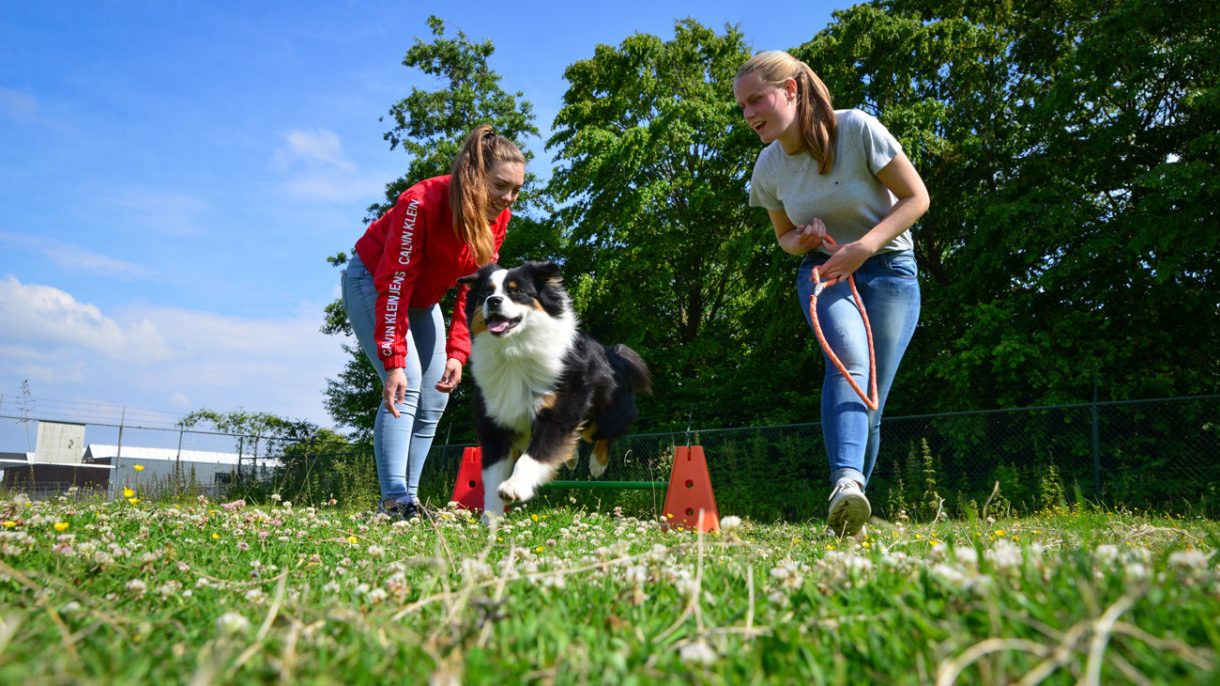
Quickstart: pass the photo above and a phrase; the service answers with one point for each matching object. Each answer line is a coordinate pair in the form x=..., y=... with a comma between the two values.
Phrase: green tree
x=430, y=127
x=1070, y=151
x=259, y=434
x=663, y=251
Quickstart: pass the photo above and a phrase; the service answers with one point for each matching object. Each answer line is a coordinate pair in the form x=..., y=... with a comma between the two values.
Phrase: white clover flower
x=687, y=587
x=377, y=595
x=698, y=653
x=1004, y=555
x=966, y=555
x=232, y=624
x=730, y=524
x=255, y=595
x=1135, y=571
x=1191, y=562
x=376, y=552
x=137, y=586
x=1106, y=554
x=475, y=569
x=636, y=575
x=950, y=575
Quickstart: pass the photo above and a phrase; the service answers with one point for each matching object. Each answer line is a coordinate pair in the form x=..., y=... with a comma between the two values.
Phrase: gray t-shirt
x=850, y=200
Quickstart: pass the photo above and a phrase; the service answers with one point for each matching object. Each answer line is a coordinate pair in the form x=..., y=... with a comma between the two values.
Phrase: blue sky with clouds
x=174, y=174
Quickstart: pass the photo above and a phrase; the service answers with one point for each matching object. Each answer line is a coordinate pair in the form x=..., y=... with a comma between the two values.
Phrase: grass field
x=137, y=592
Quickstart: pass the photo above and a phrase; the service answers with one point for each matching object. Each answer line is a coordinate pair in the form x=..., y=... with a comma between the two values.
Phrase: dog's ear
x=472, y=278
x=545, y=272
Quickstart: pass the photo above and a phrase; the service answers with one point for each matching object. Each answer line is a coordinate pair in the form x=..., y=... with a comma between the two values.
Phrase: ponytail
x=814, y=113
x=468, y=199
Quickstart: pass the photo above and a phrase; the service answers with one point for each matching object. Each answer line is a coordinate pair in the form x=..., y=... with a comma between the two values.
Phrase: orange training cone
x=468, y=489
x=689, y=502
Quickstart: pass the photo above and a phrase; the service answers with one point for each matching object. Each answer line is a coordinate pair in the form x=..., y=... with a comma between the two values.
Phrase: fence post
x=1096, y=442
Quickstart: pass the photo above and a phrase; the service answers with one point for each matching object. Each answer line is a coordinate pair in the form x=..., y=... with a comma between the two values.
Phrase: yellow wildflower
x=8, y=524
x=138, y=467
x=215, y=536
x=353, y=540
x=127, y=492
x=61, y=526
x=134, y=501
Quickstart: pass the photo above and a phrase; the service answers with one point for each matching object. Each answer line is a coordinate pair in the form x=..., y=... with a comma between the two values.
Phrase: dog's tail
x=632, y=367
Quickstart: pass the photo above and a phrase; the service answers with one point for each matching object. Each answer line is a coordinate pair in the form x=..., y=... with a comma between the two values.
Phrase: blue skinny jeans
x=400, y=446
x=889, y=288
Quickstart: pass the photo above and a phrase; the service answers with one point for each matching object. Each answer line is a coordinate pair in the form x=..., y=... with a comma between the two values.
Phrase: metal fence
x=1159, y=455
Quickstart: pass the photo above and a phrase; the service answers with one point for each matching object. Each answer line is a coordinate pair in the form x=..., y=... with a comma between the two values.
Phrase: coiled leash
x=872, y=400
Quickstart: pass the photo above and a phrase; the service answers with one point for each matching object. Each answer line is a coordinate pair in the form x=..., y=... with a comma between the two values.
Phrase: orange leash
x=872, y=400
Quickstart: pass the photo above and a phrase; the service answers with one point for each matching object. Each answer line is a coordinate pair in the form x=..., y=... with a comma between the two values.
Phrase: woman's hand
x=808, y=236
x=395, y=390
x=452, y=376
x=846, y=259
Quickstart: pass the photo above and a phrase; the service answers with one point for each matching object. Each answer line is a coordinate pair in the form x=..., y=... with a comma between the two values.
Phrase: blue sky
x=174, y=174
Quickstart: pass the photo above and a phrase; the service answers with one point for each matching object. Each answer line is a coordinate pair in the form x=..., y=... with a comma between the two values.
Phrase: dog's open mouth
x=498, y=326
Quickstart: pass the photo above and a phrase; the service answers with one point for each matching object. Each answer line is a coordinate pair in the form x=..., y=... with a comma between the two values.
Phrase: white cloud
x=74, y=258
x=317, y=148
x=47, y=320
x=175, y=359
x=316, y=169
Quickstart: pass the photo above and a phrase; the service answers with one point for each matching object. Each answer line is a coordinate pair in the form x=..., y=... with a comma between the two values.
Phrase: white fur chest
x=516, y=373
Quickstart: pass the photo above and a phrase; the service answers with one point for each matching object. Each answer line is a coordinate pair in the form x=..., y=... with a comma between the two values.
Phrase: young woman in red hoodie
x=440, y=229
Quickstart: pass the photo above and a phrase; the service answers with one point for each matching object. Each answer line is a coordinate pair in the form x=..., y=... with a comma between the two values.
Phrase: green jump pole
x=604, y=485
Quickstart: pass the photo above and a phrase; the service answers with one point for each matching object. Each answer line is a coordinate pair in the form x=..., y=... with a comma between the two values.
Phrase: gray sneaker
x=849, y=509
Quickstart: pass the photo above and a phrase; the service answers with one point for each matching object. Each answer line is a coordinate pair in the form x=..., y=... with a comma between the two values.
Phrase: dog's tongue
x=497, y=325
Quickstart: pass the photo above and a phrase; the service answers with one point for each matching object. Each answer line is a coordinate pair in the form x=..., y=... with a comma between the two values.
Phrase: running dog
x=541, y=383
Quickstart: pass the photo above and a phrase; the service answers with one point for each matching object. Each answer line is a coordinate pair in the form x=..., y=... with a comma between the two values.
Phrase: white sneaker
x=849, y=509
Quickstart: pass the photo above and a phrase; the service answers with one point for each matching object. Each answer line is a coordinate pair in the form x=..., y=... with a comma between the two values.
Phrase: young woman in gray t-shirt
x=841, y=194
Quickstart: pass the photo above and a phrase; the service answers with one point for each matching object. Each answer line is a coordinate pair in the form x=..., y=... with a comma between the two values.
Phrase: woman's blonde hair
x=468, y=187
x=814, y=113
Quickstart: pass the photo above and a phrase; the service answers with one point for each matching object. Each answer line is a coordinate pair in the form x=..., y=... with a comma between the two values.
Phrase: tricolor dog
x=541, y=383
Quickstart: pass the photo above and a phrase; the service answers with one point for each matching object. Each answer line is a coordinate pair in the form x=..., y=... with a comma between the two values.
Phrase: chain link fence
x=1156, y=455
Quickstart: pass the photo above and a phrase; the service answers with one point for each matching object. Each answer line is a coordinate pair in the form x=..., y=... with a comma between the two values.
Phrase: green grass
x=196, y=593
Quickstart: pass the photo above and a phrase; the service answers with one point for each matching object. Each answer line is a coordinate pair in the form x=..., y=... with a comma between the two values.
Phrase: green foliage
x=1071, y=154
x=1051, y=494
x=430, y=127
x=663, y=252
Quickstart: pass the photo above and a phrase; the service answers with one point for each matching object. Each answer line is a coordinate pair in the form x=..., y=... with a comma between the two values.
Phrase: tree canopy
x=1070, y=149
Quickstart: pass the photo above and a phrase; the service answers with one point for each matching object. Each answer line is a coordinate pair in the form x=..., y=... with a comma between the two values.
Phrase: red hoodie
x=415, y=258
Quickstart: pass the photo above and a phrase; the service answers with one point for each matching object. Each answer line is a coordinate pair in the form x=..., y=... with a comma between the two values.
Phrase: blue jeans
x=400, y=446
x=889, y=288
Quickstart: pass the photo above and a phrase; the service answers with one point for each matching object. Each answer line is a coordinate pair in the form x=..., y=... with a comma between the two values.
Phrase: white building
x=161, y=467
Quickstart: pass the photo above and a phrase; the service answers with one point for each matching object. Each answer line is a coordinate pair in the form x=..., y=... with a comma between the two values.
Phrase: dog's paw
x=514, y=491
x=596, y=468
x=527, y=477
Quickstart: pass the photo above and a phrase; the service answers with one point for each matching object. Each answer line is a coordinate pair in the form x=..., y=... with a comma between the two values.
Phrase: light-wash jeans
x=400, y=446
x=889, y=288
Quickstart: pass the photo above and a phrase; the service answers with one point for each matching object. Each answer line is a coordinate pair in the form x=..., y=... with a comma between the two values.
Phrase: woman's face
x=769, y=109
x=504, y=181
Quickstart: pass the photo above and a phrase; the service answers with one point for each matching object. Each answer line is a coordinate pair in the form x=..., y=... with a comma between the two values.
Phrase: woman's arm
x=905, y=183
